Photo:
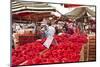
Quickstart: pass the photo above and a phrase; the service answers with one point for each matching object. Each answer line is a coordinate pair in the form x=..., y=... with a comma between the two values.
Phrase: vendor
x=50, y=36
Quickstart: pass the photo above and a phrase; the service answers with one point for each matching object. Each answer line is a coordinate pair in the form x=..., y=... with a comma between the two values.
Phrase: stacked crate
x=92, y=48
x=21, y=39
x=88, y=51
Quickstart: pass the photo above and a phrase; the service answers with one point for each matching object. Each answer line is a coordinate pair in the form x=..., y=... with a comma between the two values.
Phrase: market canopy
x=31, y=6
x=33, y=11
x=79, y=12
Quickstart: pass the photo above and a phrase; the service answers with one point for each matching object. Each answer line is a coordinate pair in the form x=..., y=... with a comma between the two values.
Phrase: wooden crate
x=22, y=39
x=84, y=53
x=88, y=52
x=92, y=48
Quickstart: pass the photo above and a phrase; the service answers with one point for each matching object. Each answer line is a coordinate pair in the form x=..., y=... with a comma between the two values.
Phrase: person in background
x=65, y=27
x=38, y=31
x=43, y=31
x=70, y=28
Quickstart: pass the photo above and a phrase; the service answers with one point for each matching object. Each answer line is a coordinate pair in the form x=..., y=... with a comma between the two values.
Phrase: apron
x=48, y=41
x=50, y=34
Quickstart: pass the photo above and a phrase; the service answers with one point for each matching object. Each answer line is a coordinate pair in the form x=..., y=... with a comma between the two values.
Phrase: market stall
x=86, y=17
x=27, y=17
x=63, y=52
x=82, y=16
x=31, y=23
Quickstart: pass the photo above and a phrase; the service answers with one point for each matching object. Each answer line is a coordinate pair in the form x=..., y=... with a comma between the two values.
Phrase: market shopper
x=65, y=27
x=70, y=28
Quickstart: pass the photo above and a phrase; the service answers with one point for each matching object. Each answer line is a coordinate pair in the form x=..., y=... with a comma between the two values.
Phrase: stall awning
x=31, y=6
x=71, y=5
x=80, y=11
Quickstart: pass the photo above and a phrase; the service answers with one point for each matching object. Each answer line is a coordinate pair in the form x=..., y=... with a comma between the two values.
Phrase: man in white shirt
x=50, y=32
x=50, y=36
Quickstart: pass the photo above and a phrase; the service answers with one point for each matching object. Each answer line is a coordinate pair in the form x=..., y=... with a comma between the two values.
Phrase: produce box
x=21, y=39
x=92, y=48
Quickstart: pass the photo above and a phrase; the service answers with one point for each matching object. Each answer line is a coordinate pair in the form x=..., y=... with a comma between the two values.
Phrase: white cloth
x=50, y=34
x=48, y=41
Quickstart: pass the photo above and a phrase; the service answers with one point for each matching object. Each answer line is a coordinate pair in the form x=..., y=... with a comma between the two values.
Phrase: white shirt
x=50, y=34
x=50, y=31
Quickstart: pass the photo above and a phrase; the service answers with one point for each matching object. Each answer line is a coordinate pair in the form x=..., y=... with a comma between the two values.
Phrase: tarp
x=78, y=12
